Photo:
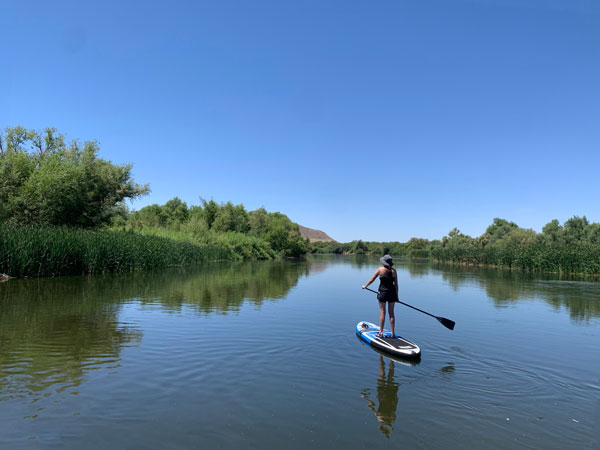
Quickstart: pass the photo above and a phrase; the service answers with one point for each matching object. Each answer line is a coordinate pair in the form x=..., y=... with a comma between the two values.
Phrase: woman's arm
x=395, y=280
x=372, y=278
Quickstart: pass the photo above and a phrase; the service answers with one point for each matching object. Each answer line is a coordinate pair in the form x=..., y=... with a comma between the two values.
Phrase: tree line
x=63, y=211
x=572, y=247
x=413, y=248
x=175, y=216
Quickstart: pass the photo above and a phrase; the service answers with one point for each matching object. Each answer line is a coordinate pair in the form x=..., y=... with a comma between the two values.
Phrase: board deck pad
x=397, y=342
x=397, y=346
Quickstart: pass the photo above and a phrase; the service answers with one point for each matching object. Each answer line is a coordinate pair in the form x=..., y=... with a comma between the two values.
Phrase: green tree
x=224, y=218
x=553, y=232
x=593, y=233
x=50, y=183
x=210, y=209
x=575, y=229
x=258, y=221
x=241, y=220
x=417, y=243
x=149, y=216
x=15, y=169
x=499, y=228
x=176, y=211
x=359, y=247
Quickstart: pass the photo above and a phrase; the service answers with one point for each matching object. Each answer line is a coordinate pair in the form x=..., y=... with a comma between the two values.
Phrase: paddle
x=446, y=322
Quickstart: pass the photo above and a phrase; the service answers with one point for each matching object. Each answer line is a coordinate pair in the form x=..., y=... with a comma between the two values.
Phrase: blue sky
x=375, y=120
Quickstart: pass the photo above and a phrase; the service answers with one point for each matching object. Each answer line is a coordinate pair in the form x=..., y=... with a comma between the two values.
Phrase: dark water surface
x=227, y=356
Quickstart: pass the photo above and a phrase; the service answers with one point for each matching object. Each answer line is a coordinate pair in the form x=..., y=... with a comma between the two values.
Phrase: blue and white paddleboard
x=394, y=345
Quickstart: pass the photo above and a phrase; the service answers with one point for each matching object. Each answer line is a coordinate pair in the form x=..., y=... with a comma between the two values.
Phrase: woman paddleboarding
x=388, y=291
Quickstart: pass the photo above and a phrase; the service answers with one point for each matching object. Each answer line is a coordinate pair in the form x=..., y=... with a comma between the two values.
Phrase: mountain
x=314, y=235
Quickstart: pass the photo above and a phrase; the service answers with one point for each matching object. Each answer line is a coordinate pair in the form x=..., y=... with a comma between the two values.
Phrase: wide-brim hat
x=387, y=260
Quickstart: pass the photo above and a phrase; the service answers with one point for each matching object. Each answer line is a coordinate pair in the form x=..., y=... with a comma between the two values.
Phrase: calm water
x=222, y=357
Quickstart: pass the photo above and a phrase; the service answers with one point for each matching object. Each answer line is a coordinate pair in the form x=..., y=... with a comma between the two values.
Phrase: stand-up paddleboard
x=397, y=346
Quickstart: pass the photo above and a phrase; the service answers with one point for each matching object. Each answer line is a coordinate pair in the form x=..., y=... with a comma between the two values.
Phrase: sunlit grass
x=48, y=251
x=582, y=257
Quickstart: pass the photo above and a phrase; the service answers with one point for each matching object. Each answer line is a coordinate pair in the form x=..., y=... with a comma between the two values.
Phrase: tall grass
x=241, y=246
x=580, y=257
x=48, y=251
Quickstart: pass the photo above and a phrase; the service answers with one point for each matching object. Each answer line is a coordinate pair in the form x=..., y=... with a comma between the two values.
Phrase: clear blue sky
x=378, y=120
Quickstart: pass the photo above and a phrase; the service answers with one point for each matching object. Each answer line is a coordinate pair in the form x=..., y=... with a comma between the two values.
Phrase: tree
x=224, y=218
x=176, y=211
x=499, y=228
x=553, y=232
x=210, y=209
x=575, y=229
x=593, y=233
x=360, y=247
x=417, y=243
x=149, y=216
x=258, y=221
x=49, y=183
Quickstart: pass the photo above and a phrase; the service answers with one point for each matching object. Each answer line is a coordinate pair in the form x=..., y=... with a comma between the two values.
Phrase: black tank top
x=387, y=288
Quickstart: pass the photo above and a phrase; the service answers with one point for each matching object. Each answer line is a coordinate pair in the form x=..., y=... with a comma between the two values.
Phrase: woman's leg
x=381, y=318
x=392, y=317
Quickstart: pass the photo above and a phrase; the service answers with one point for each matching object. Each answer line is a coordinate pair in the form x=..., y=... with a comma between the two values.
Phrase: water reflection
x=48, y=340
x=387, y=397
x=579, y=295
x=388, y=385
x=448, y=369
x=53, y=331
x=417, y=268
x=225, y=287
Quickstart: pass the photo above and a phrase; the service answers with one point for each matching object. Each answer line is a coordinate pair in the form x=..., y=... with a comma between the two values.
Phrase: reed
x=33, y=251
x=577, y=257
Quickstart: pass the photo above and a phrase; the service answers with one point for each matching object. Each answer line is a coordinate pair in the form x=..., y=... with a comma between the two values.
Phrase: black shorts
x=387, y=297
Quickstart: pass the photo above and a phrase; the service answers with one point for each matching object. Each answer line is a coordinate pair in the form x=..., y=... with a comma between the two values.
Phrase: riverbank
x=33, y=251
x=570, y=248
x=544, y=257
x=573, y=259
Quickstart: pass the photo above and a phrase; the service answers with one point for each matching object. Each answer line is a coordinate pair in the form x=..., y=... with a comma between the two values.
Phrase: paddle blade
x=446, y=322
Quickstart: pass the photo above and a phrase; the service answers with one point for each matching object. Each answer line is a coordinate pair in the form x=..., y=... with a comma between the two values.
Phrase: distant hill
x=314, y=235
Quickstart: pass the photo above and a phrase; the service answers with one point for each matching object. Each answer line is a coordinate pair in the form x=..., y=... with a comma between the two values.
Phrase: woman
x=388, y=291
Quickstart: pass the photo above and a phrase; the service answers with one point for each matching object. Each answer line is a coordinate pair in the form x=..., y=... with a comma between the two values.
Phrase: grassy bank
x=573, y=247
x=575, y=258
x=48, y=251
x=63, y=210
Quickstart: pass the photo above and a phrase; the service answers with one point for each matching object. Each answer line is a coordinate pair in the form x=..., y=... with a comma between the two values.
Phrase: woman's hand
x=364, y=286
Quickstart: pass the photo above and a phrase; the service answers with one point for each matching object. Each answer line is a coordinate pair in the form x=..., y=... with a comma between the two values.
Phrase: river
x=263, y=355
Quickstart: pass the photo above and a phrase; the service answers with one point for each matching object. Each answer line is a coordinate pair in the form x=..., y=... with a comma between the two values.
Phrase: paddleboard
x=394, y=345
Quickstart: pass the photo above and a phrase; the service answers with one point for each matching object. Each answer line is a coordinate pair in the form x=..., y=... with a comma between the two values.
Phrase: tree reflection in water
x=577, y=294
x=54, y=330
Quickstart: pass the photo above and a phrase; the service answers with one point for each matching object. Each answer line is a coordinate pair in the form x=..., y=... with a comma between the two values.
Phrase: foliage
x=275, y=232
x=415, y=248
x=572, y=248
x=51, y=190
x=48, y=251
x=47, y=182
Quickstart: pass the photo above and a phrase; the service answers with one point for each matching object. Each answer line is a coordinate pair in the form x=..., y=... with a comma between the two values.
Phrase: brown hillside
x=314, y=235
